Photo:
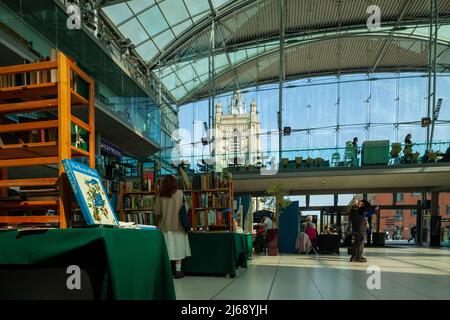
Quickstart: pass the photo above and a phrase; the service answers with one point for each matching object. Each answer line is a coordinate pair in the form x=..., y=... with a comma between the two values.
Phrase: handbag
x=184, y=217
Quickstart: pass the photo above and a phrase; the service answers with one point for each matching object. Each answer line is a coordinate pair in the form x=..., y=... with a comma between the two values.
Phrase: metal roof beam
x=387, y=41
x=290, y=36
x=275, y=51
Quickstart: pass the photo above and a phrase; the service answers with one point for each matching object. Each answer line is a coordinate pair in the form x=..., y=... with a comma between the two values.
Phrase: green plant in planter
x=275, y=200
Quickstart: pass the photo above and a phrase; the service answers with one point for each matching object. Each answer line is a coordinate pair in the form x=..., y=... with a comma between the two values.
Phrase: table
x=121, y=263
x=217, y=253
x=329, y=243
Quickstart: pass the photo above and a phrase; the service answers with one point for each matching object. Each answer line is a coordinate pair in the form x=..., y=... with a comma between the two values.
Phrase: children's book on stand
x=90, y=194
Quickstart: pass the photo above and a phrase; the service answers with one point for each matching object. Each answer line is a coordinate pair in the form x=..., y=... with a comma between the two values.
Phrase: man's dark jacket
x=358, y=219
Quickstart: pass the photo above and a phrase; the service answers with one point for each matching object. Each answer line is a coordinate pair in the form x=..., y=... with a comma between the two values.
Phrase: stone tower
x=237, y=134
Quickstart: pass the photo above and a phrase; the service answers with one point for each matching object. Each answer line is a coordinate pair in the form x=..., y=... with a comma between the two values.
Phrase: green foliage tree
x=275, y=199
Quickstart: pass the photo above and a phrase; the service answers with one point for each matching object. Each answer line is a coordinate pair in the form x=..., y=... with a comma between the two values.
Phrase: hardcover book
x=90, y=194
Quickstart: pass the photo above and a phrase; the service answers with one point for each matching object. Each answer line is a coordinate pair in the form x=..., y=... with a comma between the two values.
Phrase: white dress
x=177, y=243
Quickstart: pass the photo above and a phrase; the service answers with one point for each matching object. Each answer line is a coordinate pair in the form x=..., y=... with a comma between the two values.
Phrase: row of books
x=209, y=181
x=138, y=202
x=111, y=186
x=145, y=217
x=213, y=200
x=212, y=217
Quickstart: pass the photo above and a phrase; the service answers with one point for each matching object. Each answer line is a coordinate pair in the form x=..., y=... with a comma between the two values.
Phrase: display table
x=329, y=243
x=217, y=253
x=121, y=263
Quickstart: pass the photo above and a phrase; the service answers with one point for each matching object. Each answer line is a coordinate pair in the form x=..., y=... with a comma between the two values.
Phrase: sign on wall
x=109, y=149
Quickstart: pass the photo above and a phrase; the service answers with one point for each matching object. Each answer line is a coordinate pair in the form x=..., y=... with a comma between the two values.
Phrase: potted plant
x=275, y=199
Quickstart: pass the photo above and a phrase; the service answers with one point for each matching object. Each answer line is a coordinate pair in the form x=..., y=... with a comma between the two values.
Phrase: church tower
x=237, y=134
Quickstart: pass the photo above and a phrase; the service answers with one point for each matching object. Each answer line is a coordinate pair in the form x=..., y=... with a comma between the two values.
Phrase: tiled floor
x=412, y=273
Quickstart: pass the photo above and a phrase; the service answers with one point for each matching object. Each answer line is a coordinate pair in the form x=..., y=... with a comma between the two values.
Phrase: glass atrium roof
x=174, y=38
x=153, y=24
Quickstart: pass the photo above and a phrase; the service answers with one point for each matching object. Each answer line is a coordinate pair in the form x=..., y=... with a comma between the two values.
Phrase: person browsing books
x=167, y=209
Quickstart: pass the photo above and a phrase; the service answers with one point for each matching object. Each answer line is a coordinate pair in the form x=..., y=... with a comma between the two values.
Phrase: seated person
x=308, y=223
x=327, y=230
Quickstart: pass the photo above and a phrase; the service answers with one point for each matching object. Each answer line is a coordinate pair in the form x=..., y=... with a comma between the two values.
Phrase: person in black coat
x=359, y=229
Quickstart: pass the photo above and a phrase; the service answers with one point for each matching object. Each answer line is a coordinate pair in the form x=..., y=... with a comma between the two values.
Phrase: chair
x=318, y=162
x=395, y=152
x=298, y=162
x=312, y=234
x=309, y=161
x=350, y=154
x=407, y=154
x=302, y=244
x=335, y=159
x=284, y=162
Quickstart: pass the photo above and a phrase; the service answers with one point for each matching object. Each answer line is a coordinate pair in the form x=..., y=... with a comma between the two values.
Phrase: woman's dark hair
x=408, y=136
x=168, y=187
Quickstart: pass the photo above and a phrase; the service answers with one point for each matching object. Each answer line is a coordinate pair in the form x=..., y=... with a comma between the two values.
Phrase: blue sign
x=110, y=149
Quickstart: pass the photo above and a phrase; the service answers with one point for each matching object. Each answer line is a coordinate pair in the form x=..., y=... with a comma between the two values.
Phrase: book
x=90, y=194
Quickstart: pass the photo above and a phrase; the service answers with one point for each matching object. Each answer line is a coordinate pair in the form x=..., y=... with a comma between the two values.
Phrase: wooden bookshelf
x=50, y=87
x=195, y=209
x=123, y=210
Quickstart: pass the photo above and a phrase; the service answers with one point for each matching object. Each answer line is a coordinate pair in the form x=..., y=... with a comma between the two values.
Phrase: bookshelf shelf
x=144, y=200
x=50, y=88
x=212, y=202
x=212, y=208
x=35, y=149
x=139, y=192
x=213, y=190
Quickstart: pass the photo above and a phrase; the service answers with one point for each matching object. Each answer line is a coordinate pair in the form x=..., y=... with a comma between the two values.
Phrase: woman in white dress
x=167, y=209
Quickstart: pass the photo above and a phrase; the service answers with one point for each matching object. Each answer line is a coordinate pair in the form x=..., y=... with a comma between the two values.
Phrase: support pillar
x=281, y=72
x=435, y=221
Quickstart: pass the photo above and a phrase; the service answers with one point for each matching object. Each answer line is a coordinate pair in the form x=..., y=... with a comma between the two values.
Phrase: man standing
x=413, y=233
x=359, y=228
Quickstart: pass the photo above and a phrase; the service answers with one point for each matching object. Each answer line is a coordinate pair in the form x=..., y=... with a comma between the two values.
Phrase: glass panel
x=352, y=108
x=139, y=5
x=197, y=6
x=412, y=103
x=186, y=74
x=133, y=30
x=147, y=50
x=174, y=11
x=164, y=39
x=322, y=200
x=218, y=3
x=382, y=102
x=181, y=27
x=153, y=21
x=344, y=199
x=200, y=16
x=118, y=13
x=220, y=61
x=381, y=132
x=171, y=81
x=179, y=92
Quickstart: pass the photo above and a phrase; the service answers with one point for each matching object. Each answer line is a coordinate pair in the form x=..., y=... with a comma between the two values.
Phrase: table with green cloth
x=217, y=253
x=122, y=263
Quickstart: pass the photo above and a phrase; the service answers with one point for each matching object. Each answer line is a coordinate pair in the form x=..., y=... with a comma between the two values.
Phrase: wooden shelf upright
x=49, y=86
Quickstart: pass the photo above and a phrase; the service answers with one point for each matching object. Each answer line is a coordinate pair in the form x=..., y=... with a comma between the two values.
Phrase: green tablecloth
x=217, y=253
x=135, y=262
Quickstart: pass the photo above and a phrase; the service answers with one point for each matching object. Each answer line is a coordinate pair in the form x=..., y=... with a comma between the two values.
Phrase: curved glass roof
x=153, y=24
x=174, y=38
